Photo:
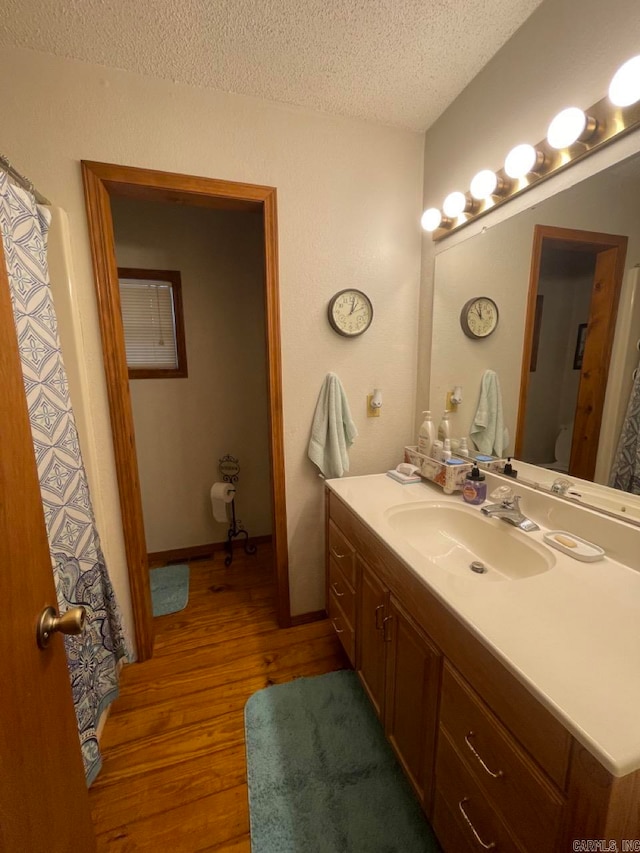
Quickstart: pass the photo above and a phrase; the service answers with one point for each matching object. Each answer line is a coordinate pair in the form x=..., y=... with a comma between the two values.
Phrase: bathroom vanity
x=510, y=697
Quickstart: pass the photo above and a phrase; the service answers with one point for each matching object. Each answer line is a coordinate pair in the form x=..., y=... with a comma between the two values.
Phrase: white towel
x=488, y=431
x=333, y=431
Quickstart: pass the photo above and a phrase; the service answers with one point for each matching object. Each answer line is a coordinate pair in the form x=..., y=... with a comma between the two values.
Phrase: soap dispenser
x=474, y=490
x=426, y=435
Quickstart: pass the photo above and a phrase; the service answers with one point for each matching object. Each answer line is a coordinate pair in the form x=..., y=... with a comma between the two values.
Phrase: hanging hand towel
x=333, y=431
x=488, y=431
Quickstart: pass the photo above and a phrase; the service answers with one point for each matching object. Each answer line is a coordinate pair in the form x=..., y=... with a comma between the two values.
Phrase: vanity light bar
x=573, y=135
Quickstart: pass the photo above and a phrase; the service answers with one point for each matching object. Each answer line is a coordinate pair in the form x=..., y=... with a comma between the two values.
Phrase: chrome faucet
x=509, y=510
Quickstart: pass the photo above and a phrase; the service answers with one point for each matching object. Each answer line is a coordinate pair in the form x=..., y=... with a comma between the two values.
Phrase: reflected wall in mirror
x=497, y=263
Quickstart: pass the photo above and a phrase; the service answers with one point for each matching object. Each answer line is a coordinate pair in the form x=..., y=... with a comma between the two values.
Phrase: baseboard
x=304, y=618
x=197, y=552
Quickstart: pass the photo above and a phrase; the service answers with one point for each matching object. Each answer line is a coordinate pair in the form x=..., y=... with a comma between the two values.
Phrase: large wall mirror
x=565, y=275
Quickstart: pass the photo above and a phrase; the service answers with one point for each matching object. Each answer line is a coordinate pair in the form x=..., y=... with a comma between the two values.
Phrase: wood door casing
x=101, y=180
x=609, y=251
x=43, y=795
x=372, y=607
x=413, y=669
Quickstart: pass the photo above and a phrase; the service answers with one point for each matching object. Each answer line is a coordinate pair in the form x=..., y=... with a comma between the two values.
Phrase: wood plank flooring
x=174, y=767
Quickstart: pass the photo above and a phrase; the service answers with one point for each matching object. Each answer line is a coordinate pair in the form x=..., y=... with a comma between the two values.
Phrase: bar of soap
x=564, y=540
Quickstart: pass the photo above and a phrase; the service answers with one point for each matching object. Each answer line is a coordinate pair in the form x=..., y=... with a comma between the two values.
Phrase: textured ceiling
x=400, y=62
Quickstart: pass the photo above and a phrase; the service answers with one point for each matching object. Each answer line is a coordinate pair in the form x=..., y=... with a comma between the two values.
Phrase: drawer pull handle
x=337, y=555
x=386, y=621
x=334, y=587
x=335, y=627
x=467, y=740
x=461, y=806
x=379, y=611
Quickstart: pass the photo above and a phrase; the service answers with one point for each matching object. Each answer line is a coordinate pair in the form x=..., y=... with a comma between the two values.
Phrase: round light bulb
x=520, y=161
x=625, y=85
x=454, y=204
x=566, y=128
x=431, y=218
x=484, y=184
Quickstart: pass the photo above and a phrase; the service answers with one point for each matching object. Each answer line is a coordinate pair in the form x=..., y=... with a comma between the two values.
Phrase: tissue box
x=449, y=477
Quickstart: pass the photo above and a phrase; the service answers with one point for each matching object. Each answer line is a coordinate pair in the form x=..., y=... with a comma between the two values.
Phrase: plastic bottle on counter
x=446, y=450
x=426, y=435
x=436, y=450
x=444, y=429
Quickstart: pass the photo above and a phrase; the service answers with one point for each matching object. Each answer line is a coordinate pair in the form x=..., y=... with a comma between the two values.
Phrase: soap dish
x=572, y=545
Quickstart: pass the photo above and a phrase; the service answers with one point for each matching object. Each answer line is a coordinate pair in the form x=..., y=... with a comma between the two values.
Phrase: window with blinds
x=151, y=303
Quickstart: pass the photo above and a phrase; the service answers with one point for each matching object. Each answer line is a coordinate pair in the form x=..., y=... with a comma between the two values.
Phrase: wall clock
x=479, y=317
x=350, y=312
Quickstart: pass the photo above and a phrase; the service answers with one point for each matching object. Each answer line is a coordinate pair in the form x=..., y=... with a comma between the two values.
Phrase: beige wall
x=564, y=54
x=184, y=426
x=349, y=202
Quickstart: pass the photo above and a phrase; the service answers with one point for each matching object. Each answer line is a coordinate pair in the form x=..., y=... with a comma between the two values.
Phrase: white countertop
x=570, y=634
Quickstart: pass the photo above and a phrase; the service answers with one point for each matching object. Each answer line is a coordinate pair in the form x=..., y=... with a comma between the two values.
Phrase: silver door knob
x=71, y=622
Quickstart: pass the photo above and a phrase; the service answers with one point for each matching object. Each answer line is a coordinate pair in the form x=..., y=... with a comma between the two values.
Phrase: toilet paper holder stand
x=229, y=468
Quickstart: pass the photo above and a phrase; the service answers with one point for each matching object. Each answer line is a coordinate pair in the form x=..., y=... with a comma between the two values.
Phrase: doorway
x=574, y=289
x=102, y=182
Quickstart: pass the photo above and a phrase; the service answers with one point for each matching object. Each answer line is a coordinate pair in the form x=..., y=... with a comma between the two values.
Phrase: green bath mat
x=169, y=589
x=322, y=778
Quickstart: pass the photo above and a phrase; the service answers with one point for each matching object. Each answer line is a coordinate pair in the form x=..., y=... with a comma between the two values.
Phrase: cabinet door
x=372, y=610
x=412, y=684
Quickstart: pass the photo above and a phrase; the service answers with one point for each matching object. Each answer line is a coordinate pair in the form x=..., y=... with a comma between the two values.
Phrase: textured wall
x=349, y=201
x=184, y=426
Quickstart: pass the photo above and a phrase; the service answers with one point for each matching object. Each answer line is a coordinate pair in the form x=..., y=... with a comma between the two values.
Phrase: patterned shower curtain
x=625, y=471
x=79, y=569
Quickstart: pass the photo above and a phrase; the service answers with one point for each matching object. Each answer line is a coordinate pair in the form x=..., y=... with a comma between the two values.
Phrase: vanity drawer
x=343, y=552
x=343, y=591
x=513, y=782
x=463, y=818
x=343, y=628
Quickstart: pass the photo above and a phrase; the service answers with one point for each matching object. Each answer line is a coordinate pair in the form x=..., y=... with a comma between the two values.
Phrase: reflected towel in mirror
x=488, y=431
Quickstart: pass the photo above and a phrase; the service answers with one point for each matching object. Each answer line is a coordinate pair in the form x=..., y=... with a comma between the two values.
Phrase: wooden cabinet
x=370, y=635
x=411, y=698
x=491, y=766
x=400, y=671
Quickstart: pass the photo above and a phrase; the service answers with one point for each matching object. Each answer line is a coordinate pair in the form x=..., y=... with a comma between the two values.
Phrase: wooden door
x=372, y=605
x=411, y=703
x=44, y=803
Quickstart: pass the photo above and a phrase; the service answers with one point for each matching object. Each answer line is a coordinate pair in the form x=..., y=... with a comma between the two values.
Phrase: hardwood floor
x=174, y=769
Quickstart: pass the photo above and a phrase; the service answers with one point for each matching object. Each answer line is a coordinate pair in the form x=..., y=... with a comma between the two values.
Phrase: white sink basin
x=453, y=537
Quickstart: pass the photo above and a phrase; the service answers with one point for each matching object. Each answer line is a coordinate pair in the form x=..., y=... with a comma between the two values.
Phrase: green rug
x=169, y=589
x=322, y=777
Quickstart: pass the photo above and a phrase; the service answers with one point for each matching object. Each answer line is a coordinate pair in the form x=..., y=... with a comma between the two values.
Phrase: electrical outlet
x=449, y=405
x=371, y=413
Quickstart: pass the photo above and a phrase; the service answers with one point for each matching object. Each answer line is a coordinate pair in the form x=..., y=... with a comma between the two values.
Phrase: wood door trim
x=100, y=181
x=575, y=240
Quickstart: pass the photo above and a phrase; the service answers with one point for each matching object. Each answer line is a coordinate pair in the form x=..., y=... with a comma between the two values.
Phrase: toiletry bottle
x=436, y=450
x=444, y=429
x=474, y=490
x=426, y=435
x=463, y=447
x=446, y=450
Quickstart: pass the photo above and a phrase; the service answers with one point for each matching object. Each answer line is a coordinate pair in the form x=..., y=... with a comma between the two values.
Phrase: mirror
x=497, y=263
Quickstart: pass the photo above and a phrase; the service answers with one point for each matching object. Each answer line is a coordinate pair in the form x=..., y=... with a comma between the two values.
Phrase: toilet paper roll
x=221, y=495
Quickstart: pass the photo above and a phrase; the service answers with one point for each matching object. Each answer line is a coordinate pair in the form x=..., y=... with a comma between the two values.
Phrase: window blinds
x=148, y=317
